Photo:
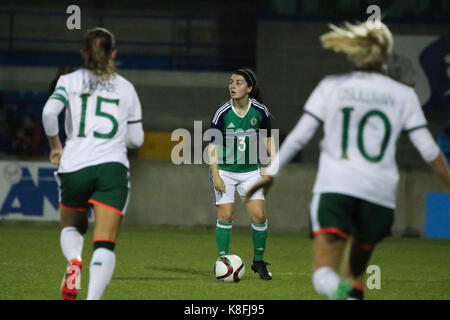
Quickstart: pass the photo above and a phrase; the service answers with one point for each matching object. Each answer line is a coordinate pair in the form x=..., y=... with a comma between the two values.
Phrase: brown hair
x=251, y=80
x=99, y=43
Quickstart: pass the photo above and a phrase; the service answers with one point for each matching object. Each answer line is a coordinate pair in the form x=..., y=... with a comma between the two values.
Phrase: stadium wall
x=180, y=196
x=166, y=195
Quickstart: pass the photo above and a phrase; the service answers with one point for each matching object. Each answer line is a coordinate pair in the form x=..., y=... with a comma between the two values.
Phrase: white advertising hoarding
x=28, y=191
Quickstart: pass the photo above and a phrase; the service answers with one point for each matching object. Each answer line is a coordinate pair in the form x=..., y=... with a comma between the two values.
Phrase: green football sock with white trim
x=223, y=236
x=259, y=236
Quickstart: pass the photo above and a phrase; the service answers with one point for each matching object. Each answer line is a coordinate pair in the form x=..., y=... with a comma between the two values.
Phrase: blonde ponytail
x=367, y=44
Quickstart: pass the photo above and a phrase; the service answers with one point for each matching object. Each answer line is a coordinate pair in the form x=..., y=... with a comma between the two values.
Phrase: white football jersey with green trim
x=97, y=115
x=363, y=115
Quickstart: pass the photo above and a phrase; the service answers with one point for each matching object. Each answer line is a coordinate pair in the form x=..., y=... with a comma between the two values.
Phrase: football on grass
x=229, y=268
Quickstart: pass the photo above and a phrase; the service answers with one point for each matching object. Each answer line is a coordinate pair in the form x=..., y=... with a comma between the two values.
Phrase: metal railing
x=186, y=44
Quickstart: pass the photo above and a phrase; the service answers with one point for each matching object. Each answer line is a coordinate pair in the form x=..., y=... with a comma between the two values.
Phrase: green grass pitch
x=155, y=264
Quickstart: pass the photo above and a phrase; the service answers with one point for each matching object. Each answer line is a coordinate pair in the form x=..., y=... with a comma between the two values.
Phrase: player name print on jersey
x=366, y=96
x=107, y=86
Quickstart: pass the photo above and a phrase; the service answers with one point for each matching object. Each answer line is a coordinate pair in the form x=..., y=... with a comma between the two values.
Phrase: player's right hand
x=55, y=155
x=219, y=185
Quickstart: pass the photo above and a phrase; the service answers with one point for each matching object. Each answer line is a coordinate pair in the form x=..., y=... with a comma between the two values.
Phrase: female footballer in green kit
x=234, y=165
x=103, y=118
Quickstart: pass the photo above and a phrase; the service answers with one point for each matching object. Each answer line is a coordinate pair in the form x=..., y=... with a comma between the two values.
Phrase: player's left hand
x=265, y=183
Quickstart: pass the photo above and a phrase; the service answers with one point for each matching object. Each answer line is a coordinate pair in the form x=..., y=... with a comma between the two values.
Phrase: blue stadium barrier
x=17, y=106
x=55, y=59
x=127, y=61
x=182, y=58
x=30, y=102
x=438, y=216
x=11, y=97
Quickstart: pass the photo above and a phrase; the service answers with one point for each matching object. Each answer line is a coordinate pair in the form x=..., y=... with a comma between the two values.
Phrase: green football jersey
x=239, y=149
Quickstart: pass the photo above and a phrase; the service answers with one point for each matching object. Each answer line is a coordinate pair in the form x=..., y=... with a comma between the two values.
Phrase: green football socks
x=223, y=236
x=259, y=236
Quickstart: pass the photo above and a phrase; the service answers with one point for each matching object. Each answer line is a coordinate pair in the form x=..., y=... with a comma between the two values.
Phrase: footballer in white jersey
x=362, y=113
x=97, y=114
x=103, y=118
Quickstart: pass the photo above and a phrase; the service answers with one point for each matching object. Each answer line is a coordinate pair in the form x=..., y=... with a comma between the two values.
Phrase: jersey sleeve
x=316, y=103
x=266, y=124
x=135, y=131
x=61, y=91
x=217, y=122
x=413, y=117
x=135, y=109
x=423, y=141
x=52, y=109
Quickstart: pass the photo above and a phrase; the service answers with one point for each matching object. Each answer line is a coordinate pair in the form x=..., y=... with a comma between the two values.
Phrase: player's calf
x=358, y=261
x=101, y=268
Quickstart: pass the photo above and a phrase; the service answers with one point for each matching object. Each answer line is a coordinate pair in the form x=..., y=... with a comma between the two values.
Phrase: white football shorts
x=240, y=181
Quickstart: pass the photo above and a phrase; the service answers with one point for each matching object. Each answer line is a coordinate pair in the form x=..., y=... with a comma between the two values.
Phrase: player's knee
x=258, y=218
x=226, y=218
x=225, y=215
x=257, y=215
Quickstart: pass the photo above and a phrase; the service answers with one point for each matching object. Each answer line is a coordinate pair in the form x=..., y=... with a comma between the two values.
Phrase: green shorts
x=105, y=185
x=344, y=215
